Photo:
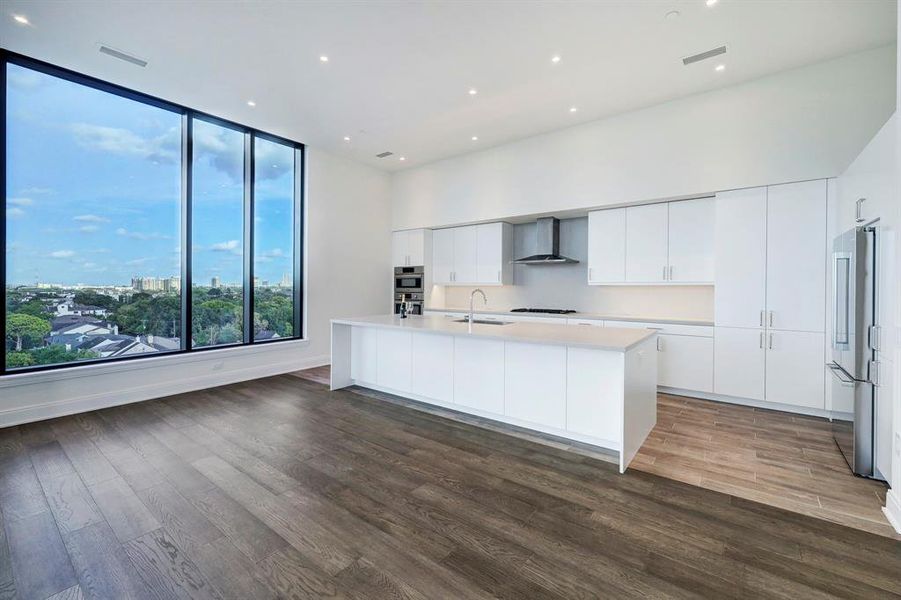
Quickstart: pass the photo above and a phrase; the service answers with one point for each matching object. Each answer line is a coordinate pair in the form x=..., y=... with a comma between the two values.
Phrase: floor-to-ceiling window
x=127, y=225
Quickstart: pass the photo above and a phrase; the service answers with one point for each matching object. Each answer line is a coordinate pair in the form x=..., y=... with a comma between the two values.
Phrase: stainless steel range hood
x=548, y=246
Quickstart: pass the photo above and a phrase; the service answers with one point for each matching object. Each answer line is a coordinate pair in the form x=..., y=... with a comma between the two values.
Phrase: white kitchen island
x=588, y=384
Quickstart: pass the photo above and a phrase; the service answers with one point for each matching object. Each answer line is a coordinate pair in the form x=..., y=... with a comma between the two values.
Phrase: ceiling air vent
x=703, y=55
x=123, y=56
x=385, y=154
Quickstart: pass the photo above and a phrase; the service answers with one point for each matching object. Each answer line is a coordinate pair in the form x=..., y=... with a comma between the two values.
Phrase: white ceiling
x=398, y=73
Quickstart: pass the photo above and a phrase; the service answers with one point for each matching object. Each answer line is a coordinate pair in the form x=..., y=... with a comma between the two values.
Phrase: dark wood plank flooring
x=277, y=488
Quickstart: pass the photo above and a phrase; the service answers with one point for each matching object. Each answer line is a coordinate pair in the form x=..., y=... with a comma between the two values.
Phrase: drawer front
x=667, y=328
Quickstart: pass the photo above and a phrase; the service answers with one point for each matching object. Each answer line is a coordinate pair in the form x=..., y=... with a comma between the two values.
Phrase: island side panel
x=341, y=356
x=594, y=394
x=640, y=398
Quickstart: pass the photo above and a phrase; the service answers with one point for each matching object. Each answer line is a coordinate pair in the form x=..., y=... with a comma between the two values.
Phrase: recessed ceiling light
x=711, y=2
x=555, y=59
x=720, y=68
x=21, y=19
x=473, y=91
x=323, y=58
x=402, y=158
x=475, y=138
x=251, y=103
x=573, y=109
x=346, y=138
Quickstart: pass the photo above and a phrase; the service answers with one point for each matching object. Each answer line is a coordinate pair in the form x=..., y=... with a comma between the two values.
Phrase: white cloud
x=90, y=219
x=163, y=148
x=137, y=261
x=20, y=201
x=88, y=228
x=137, y=235
x=225, y=246
x=37, y=191
x=62, y=254
x=15, y=212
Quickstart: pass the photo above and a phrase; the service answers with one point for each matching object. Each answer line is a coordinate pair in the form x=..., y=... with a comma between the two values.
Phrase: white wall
x=348, y=273
x=807, y=123
x=565, y=286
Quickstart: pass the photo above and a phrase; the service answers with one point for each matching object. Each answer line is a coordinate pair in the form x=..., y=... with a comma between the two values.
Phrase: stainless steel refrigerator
x=855, y=342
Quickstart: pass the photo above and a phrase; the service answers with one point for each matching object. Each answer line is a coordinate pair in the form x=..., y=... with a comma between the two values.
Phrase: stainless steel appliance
x=408, y=285
x=855, y=343
x=547, y=311
x=408, y=279
x=547, y=245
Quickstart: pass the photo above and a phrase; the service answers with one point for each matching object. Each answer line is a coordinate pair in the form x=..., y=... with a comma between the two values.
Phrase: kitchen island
x=587, y=384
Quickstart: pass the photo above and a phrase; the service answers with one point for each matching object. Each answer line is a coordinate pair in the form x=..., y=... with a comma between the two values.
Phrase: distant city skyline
x=94, y=192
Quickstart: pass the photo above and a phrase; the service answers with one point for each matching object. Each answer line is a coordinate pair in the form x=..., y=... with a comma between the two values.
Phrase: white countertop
x=580, y=315
x=618, y=339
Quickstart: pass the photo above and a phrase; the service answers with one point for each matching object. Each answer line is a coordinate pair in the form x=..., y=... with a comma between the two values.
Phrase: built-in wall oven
x=409, y=285
x=854, y=367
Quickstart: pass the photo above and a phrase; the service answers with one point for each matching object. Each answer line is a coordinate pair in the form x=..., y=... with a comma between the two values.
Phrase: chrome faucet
x=472, y=296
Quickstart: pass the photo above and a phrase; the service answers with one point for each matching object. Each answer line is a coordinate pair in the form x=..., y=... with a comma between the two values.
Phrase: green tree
x=56, y=354
x=25, y=328
x=92, y=298
x=33, y=307
x=19, y=359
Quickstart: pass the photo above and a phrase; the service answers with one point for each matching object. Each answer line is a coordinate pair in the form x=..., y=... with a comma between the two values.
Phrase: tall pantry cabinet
x=770, y=294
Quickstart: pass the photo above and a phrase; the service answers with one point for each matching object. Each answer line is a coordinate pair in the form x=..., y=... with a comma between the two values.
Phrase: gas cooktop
x=549, y=311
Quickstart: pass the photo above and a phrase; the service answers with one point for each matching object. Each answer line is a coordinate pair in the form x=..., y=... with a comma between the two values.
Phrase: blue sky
x=93, y=188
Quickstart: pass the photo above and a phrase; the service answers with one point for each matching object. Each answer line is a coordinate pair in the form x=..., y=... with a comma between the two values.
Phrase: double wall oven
x=409, y=284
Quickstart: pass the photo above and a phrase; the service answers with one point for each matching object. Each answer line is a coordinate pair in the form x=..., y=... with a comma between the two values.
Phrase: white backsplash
x=566, y=286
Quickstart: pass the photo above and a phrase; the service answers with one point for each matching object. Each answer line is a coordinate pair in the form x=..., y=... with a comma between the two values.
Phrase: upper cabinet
x=607, y=246
x=771, y=257
x=646, y=243
x=473, y=255
x=410, y=248
x=663, y=243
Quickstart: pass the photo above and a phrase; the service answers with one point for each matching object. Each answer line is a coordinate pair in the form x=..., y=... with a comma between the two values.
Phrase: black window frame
x=188, y=115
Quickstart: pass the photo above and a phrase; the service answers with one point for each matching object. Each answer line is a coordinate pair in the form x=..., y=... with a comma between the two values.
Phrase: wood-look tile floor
x=277, y=488
x=777, y=458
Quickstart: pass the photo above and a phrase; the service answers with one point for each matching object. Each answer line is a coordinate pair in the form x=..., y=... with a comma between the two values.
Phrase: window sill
x=98, y=369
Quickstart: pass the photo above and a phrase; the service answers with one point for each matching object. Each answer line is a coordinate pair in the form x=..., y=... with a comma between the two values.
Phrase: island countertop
x=619, y=339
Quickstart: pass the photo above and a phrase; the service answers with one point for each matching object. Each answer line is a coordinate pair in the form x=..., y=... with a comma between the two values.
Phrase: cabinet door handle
x=771, y=341
x=859, y=214
x=664, y=272
x=671, y=272
x=761, y=337
x=761, y=321
x=589, y=274
x=771, y=318
x=498, y=276
x=659, y=345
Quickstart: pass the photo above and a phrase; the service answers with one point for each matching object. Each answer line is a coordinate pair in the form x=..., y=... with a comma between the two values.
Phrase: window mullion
x=187, y=157
x=248, y=237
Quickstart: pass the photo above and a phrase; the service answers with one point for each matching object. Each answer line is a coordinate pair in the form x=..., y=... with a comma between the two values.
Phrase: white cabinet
x=771, y=257
x=794, y=368
x=534, y=383
x=685, y=362
x=607, y=246
x=410, y=247
x=479, y=374
x=669, y=242
x=646, y=243
x=443, y=256
x=740, y=232
x=739, y=363
x=492, y=253
x=593, y=398
x=364, y=354
x=691, y=241
x=586, y=322
x=433, y=366
x=395, y=364
x=472, y=255
x=796, y=256
x=466, y=256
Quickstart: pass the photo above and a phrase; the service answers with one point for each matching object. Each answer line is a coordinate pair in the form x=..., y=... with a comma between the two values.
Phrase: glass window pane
x=273, y=241
x=217, y=266
x=93, y=222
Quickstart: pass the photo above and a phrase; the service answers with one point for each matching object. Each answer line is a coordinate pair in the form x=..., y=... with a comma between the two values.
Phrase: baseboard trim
x=70, y=406
x=892, y=510
x=801, y=410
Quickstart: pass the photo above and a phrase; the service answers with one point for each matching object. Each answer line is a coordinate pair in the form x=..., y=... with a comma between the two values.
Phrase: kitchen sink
x=481, y=322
